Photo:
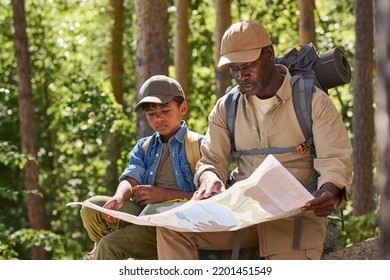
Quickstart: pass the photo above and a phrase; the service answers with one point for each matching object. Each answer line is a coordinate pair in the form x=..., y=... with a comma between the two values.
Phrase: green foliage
x=7, y=245
x=201, y=43
x=57, y=246
x=334, y=23
x=10, y=156
x=357, y=228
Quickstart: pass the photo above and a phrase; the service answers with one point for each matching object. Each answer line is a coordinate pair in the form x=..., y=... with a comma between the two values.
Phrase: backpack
x=307, y=69
x=191, y=145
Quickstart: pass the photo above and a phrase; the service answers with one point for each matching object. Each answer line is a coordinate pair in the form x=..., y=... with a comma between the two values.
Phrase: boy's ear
x=183, y=108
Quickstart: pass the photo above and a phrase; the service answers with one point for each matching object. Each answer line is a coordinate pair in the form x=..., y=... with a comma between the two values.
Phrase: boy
x=158, y=171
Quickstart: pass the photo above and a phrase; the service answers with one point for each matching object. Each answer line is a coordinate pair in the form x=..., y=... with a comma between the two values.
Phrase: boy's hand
x=146, y=194
x=114, y=203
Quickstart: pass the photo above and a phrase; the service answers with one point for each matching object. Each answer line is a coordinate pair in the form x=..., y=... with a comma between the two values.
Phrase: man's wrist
x=332, y=188
x=338, y=194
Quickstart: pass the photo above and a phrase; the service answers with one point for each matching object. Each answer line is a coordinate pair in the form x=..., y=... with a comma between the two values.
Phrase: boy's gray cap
x=158, y=89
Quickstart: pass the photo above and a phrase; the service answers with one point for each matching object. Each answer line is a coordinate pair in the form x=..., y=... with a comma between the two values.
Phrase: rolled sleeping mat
x=332, y=68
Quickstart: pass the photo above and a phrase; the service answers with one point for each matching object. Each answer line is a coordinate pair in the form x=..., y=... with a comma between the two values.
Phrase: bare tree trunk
x=116, y=70
x=181, y=59
x=223, y=21
x=115, y=63
x=363, y=110
x=35, y=206
x=152, y=48
x=382, y=44
x=307, y=33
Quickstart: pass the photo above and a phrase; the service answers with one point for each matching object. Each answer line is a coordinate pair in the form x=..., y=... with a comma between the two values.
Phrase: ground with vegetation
x=366, y=250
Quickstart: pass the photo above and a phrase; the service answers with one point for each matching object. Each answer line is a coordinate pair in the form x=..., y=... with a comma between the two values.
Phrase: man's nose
x=241, y=74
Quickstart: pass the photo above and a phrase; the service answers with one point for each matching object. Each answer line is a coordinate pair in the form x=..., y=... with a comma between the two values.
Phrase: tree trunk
x=115, y=63
x=382, y=44
x=307, y=33
x=116, y=70
x=152, y=48
x=363, y=110
x=35, y=206
x=114, y=145
x=223, y=21
x=181, y=59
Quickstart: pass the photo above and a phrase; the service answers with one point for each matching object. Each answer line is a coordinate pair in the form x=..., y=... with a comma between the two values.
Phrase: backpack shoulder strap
x=231, y=103
x=191, y=145
x=146, y=143
x=302, y=98
x=302, y=94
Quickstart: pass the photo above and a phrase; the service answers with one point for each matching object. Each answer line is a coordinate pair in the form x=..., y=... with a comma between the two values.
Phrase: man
x=266, y=118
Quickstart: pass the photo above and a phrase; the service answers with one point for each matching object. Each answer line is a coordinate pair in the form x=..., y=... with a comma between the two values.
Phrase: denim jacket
x=143, y=165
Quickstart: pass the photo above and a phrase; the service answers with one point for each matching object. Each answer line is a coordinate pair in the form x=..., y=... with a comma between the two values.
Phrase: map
x=270, y=193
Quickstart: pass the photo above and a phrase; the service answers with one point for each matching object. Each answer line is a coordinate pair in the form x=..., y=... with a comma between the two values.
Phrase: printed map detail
x=270, y=193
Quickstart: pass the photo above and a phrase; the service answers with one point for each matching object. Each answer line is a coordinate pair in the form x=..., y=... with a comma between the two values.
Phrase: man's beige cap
x=242, y=42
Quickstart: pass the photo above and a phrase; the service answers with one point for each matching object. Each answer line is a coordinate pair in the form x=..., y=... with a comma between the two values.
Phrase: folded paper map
x=270, y=193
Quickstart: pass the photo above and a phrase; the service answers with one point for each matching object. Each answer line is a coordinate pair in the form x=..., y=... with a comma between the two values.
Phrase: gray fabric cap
x=158, y=89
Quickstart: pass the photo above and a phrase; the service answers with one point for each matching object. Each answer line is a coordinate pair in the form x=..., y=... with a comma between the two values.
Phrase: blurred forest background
x=69, y=74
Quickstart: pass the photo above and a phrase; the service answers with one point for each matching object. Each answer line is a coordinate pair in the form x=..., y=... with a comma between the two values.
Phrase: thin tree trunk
x=363, y=110
x=152, y=48
x=181, y=59
x=35, y=206
x=307, y=33
x=382, y=44
x=116, y=70
x=115, y=63
x=223, y=21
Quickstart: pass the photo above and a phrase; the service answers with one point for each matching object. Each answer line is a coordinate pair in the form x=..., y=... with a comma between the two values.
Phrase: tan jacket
x=280, y=128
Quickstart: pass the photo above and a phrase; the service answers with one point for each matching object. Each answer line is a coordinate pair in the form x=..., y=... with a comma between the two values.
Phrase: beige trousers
x=120, y=240
x=172, y=245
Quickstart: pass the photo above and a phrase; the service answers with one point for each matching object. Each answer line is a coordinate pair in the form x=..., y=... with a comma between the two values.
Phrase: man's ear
x=269, y=51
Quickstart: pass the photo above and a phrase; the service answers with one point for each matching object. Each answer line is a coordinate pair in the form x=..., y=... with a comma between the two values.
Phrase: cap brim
x=153, y=99
x=241, y=56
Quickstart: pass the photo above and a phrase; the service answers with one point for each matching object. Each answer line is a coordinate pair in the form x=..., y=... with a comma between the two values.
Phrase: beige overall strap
x=236, y=244
x=146, y=143
x=192, y=149
x=297, y=232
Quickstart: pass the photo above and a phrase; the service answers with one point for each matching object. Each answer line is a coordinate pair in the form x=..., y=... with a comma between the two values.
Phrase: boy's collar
x=179, y=135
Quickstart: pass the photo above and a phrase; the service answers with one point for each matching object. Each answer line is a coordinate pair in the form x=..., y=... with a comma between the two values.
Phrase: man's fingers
x=198, y=194
x=201, y=193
